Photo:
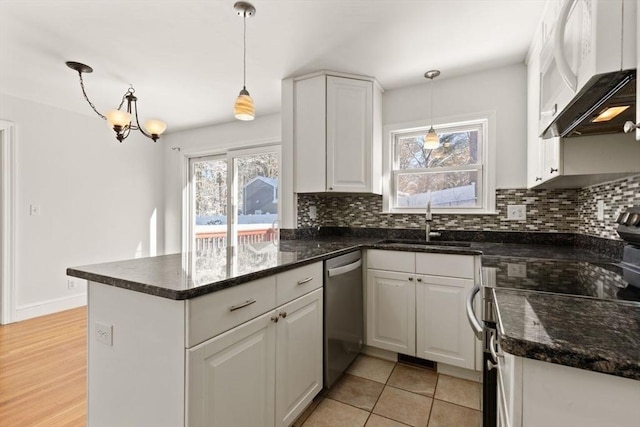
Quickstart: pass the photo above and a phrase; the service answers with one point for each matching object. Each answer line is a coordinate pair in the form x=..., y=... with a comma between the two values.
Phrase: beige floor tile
x=378, y=421
x=416, y=380
x=356, y=391
x=331, y=413
x=445, y=414
x=403, y=406
x=307, y=412
x=458, y=391
x=371, y=368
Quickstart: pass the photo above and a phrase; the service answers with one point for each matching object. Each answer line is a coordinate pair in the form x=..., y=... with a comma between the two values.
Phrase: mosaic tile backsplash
x=557, y=210
x=617, y=196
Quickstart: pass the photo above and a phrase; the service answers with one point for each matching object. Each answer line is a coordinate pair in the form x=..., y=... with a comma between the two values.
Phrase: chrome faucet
x=427, y=223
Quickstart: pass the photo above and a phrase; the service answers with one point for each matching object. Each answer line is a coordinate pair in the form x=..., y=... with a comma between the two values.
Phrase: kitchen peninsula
x=169, y=333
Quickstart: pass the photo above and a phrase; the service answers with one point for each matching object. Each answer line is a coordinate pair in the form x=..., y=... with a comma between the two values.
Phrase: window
x=233, y=198
x=455, y=177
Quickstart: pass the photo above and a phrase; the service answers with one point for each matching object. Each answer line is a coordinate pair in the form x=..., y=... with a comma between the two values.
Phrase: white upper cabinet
x=337, y=132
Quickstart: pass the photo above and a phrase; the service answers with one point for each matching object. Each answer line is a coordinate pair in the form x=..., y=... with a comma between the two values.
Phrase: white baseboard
x=55, y=305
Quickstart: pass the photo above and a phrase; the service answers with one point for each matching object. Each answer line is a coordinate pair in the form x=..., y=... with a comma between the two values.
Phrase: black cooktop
x=579, y=278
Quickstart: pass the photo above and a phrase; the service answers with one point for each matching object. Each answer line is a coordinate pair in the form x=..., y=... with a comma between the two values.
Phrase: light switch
x=104, y=333
x=600, y=213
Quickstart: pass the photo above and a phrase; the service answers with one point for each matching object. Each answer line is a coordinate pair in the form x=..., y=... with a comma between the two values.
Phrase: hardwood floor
x=43, y=363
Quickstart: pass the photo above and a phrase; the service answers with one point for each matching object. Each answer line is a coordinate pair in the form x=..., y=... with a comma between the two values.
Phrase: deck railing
x=217, y=238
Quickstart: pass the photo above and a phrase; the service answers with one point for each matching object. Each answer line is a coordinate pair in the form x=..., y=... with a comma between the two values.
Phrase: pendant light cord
x=244, y=50
x=431, y=102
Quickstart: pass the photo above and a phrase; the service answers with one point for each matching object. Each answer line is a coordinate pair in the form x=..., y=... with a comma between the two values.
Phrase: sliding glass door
x=234, y=199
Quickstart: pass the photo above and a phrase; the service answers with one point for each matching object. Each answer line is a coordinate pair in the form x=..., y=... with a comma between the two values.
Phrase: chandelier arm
x=84, y=93
x=138, y=127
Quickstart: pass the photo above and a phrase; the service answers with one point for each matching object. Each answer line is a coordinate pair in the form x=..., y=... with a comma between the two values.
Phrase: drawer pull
x=242, y=305
x=303, y=281
x=283, y=314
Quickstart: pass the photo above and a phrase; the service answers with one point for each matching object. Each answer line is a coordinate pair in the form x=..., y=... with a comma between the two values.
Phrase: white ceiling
x=185, y=57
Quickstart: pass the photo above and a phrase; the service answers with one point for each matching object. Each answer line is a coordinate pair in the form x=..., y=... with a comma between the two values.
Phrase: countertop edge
x=562, y=356
x=228, y=283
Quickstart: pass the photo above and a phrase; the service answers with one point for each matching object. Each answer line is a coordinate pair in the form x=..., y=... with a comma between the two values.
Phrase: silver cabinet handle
x=471, y=315
x=303, y=281
x=242, y=305
x=490, y=365
x=630, y=126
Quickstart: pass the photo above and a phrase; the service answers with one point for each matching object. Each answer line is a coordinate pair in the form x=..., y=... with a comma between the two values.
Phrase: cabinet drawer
x=214, y=313
x=295, y=283
x=445, y=265
x=391, y=260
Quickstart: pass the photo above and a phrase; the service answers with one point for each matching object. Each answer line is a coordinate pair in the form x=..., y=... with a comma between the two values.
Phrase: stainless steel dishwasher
x=343, y=314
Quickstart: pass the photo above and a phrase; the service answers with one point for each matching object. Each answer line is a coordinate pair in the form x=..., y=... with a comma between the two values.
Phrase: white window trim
x=488, y=165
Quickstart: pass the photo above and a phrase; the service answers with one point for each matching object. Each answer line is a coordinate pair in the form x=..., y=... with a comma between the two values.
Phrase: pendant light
x=244, y=108
x=121, y=121
x=431, y=140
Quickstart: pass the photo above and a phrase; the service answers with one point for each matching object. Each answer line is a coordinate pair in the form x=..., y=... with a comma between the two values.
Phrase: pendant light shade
x=244, y=109
x=431, y=139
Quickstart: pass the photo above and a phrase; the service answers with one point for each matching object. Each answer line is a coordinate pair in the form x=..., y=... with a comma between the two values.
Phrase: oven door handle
x=471, y=315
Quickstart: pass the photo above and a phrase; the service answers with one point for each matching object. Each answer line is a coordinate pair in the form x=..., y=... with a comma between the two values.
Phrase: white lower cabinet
x=391, y=321
x=231, y=373
x=420, y=310
x=298, y=356
x=444, y=334
x=536, y=393
x=261, y=373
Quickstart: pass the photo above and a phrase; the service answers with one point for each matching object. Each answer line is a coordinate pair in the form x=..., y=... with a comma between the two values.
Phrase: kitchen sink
x=405, y=242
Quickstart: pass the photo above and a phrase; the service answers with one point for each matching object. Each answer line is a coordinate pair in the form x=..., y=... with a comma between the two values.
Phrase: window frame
x=484, y=122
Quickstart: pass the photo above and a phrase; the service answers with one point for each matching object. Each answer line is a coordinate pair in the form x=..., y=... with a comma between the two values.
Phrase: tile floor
x=378, y=393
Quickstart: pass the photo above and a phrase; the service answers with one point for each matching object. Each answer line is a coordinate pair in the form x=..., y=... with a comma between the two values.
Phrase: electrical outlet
x=34, y=210
x=600, y=208
x=517, y=212
x=71, y=284
x=104, y=333
x=517, y=270
x=313, y=213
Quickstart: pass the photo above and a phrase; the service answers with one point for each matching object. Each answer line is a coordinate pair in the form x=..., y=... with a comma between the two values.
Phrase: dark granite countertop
x=585, y=333
x=184, y=276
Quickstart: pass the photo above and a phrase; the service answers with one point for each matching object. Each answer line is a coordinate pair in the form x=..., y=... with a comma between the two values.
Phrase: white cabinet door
x=638, y=85
x=231, y=378
x=309, y=127
x=298, y=356
x=443, y=332
x=534, y=142
x=349, y=134
x=391, y=312
x=552, y=158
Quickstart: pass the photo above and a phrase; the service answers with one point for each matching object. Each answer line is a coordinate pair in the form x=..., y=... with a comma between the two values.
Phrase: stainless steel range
x=610, y=281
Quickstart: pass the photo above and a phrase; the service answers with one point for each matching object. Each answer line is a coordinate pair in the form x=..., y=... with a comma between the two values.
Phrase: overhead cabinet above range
x=337, y=133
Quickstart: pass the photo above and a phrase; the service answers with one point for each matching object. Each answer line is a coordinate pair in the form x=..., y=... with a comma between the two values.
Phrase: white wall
x=203, y=141
x=100, y=200
x=503, y=90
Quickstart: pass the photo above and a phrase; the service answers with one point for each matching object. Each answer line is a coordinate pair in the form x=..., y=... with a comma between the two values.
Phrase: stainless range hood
x=600, y=93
